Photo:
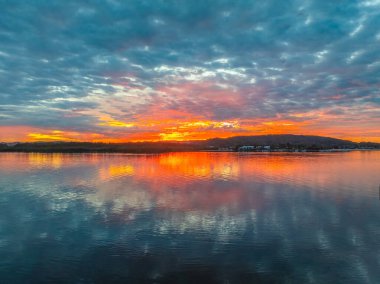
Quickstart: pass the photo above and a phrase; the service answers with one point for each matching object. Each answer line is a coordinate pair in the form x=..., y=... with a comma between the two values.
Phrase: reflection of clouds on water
x=220, y=225
x=211, y=209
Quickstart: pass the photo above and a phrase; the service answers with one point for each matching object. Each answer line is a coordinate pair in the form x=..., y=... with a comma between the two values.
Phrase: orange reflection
x=116, y=171
x=35, y=161
x=185, y=181
x=200, y=165
x=202, y=181
x=43, y=160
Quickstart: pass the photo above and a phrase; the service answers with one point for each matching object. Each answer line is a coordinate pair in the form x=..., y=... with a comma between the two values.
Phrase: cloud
x=65, y=65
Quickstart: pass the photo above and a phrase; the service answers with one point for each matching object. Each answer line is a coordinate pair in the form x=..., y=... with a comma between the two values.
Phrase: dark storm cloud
x=271, y=57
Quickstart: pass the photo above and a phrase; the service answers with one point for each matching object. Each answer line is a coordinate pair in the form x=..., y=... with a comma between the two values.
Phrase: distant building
x=246, y=148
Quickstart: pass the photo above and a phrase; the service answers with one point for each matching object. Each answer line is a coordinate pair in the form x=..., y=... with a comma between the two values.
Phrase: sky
x=118, y=71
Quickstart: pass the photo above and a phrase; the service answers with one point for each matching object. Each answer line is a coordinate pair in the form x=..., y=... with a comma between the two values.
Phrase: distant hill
x=285, y=142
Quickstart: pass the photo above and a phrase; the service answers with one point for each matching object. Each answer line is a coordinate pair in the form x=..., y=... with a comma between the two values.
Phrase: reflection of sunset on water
x=178, y=169
x=40, y=160
x=208, y=181
x=116, y=171
x=202, y=165
x=200, y=180
x=181, y=170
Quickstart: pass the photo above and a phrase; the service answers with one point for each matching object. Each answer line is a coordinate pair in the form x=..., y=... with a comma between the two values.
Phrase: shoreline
x=190, y=151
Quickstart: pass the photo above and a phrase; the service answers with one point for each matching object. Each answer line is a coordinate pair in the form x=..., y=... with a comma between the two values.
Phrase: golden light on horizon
x=173, y=136
x=185, y=129
x=55, y=135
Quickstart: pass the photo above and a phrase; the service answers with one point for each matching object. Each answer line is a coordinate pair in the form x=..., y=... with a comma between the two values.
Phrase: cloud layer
x=137, y=70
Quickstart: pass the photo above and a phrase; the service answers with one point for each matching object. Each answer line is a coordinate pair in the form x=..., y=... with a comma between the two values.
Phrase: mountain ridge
x=277, y=139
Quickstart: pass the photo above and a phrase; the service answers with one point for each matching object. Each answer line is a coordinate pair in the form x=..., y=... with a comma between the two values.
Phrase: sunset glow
x=160, y=72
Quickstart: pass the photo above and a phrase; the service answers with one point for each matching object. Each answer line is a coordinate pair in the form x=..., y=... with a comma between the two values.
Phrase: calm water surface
x=190, y=218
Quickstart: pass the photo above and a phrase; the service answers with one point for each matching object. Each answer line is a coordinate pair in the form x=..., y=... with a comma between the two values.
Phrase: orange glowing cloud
x=59, y=135
x=108, y=121
x=55, y=135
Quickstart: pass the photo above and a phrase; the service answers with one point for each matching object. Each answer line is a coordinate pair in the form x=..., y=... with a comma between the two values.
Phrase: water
x=190, y=218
